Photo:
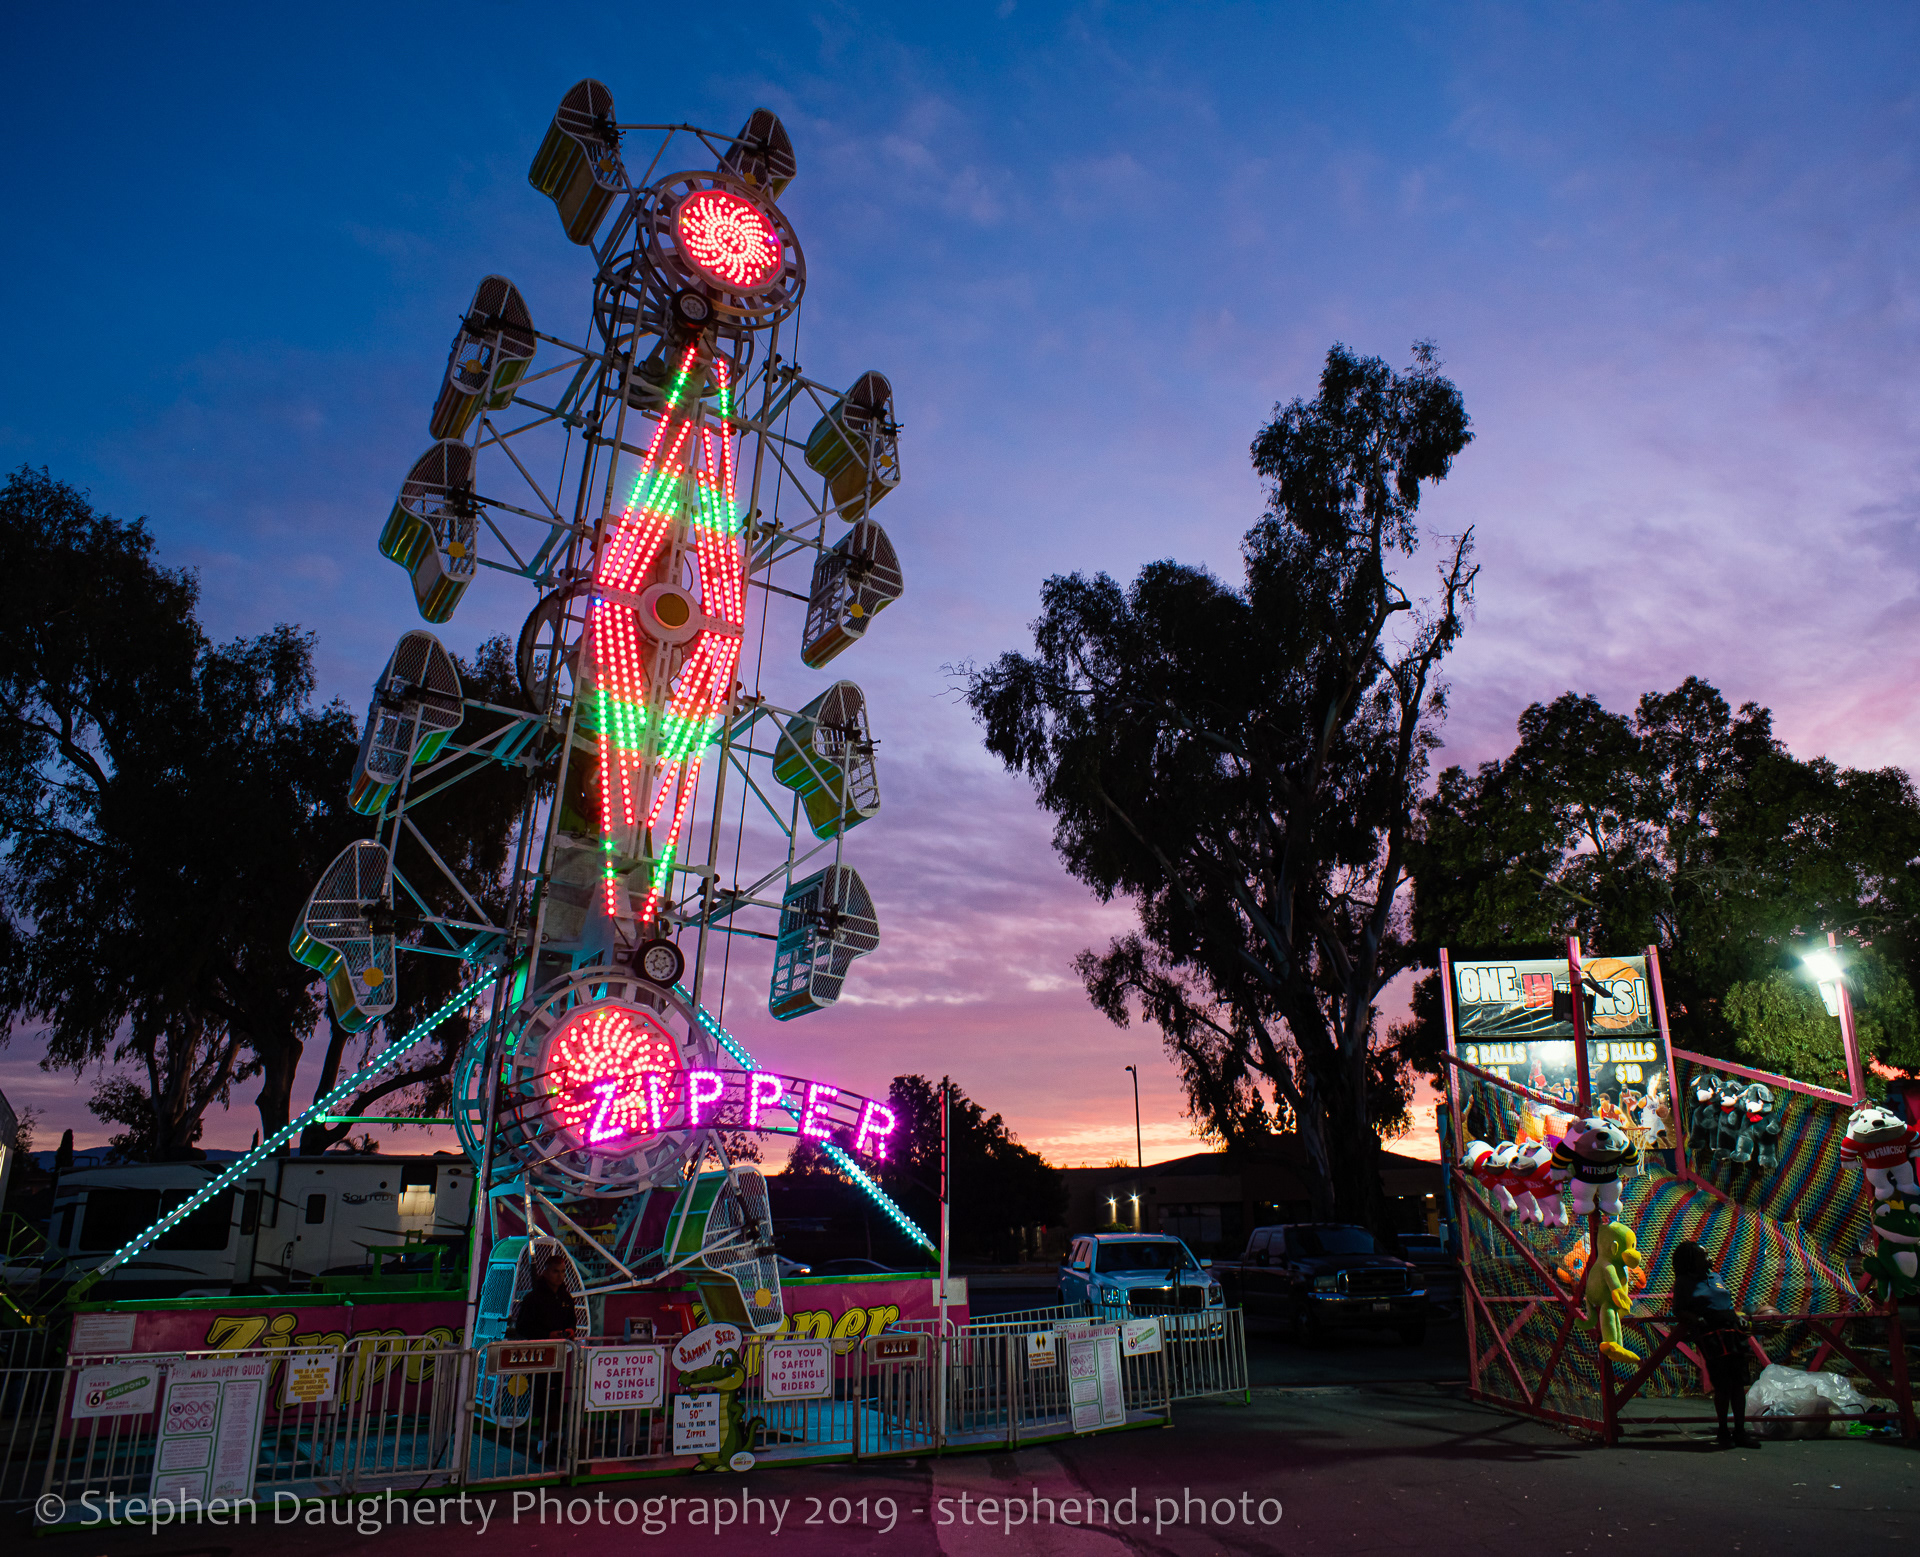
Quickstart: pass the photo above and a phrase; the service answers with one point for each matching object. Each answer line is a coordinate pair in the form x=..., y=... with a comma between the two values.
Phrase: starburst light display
x=612, y=1073
x=728, y=238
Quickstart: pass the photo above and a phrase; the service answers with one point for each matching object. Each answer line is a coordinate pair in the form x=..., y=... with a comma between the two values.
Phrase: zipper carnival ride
x=662, y=485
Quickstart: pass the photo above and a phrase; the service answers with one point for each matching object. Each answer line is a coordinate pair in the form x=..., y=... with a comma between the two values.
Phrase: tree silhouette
x=1243, y=764
x=163, y=800
x=1685, y=825
x=168, y=805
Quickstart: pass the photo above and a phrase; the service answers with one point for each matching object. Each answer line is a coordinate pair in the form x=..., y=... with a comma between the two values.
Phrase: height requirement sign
x=1514, y=1019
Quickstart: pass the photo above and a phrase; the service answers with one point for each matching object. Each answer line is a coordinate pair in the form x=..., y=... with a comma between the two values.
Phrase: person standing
x=1716, y=1329
x=546, y=1312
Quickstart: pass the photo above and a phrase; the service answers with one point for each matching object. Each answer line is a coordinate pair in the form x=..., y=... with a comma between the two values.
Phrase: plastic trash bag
x=1791, y=1403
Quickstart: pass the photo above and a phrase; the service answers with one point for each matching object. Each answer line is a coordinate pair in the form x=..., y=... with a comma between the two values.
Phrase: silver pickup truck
x=1121, y=1274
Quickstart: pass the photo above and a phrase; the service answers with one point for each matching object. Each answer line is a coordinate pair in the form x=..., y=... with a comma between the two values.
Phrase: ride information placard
x=626, y=1378
x=210, y=1428
x=696, y=1424
x=125, y=1390
x=1094, y=1391
x=310, y=1378
x=95, y=1335
x=797, y=1370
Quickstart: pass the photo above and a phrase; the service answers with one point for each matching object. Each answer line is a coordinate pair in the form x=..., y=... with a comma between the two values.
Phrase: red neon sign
x=729, y=238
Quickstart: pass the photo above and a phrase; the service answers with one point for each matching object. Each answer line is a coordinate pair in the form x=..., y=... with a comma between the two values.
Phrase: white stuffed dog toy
x=1593, y=1153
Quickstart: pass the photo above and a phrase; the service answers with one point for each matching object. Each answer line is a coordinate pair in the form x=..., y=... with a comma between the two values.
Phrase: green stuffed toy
x=1609, y=1294
x=1896, y=1260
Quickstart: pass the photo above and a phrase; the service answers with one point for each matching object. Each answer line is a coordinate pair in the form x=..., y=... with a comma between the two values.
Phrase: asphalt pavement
x=1339, y=1468
x=1354, y=1442
x=1274, y=1358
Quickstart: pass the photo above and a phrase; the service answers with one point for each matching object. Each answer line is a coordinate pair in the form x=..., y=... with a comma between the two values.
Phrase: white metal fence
x=406, y=1414
x=27, y=1349
x=1206, y=1353
x=377, y=1412
x=29, y=1405
x=1205, y=1349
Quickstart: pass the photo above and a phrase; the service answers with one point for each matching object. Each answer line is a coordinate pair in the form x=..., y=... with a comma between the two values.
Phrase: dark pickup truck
x=1316, y=1275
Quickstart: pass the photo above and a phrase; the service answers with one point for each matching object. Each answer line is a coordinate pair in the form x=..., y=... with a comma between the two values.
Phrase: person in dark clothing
x=1714, y=1328
x=546, y=1313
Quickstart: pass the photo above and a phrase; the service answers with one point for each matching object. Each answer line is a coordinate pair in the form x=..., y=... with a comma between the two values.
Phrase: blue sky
x=1667, y=252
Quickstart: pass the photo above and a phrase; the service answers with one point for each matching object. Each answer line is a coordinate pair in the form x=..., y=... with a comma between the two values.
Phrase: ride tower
x=658, y=485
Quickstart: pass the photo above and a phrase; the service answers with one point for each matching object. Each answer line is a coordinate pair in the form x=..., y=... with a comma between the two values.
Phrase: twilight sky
x=1667, y=252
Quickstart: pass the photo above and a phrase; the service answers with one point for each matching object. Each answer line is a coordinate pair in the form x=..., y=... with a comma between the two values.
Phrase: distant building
x=1211, y=1201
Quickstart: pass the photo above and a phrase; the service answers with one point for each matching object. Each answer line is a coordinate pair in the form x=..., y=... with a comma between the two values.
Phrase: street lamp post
x=1139, y=1156
x=1832, y=979
x=946, y=1194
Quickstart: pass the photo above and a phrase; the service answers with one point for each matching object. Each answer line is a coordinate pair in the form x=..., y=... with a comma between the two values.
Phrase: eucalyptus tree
x=1243, y=762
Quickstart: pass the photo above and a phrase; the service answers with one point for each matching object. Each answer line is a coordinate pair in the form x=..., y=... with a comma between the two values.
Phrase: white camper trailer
x=293, y=1220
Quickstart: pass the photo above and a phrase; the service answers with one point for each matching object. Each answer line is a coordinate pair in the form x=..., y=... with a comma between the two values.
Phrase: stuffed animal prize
x=1727, y=1124
x=1703, y=1115
x=1609, y=1294
x=1593, y=1153
x=1540, y=1186
x=1499, y=1176
x=1759, y=1129
x=1882, y=1145
x=1474, y=1158
x=1896, y=1260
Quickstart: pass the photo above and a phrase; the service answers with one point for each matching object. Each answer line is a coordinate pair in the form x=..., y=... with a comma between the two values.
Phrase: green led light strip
x=317, y=1113
x=378, y=1119
x=837, y=1155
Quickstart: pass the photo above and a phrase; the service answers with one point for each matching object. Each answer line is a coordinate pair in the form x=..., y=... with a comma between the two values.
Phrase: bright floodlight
x=1822, y=964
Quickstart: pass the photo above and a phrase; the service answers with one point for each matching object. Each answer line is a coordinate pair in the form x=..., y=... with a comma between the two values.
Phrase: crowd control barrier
x=91, y=1438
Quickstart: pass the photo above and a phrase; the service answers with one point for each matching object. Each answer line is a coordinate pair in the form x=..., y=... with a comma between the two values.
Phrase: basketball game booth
x=1571, y=1116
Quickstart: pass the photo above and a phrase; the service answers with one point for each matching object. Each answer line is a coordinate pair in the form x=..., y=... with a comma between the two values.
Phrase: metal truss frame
x=548, y=536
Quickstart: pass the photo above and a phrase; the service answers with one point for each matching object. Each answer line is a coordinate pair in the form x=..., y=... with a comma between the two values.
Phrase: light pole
x=1824, y=964
x=943, y=1340
x=946, y=1194
x=1139, y=1155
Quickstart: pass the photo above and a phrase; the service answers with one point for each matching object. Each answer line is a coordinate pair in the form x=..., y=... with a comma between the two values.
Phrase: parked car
x=1438, y=1266
x=1122, y=1274
x=1428, y=1251
x=1319, y=1274
x=854, y=1268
